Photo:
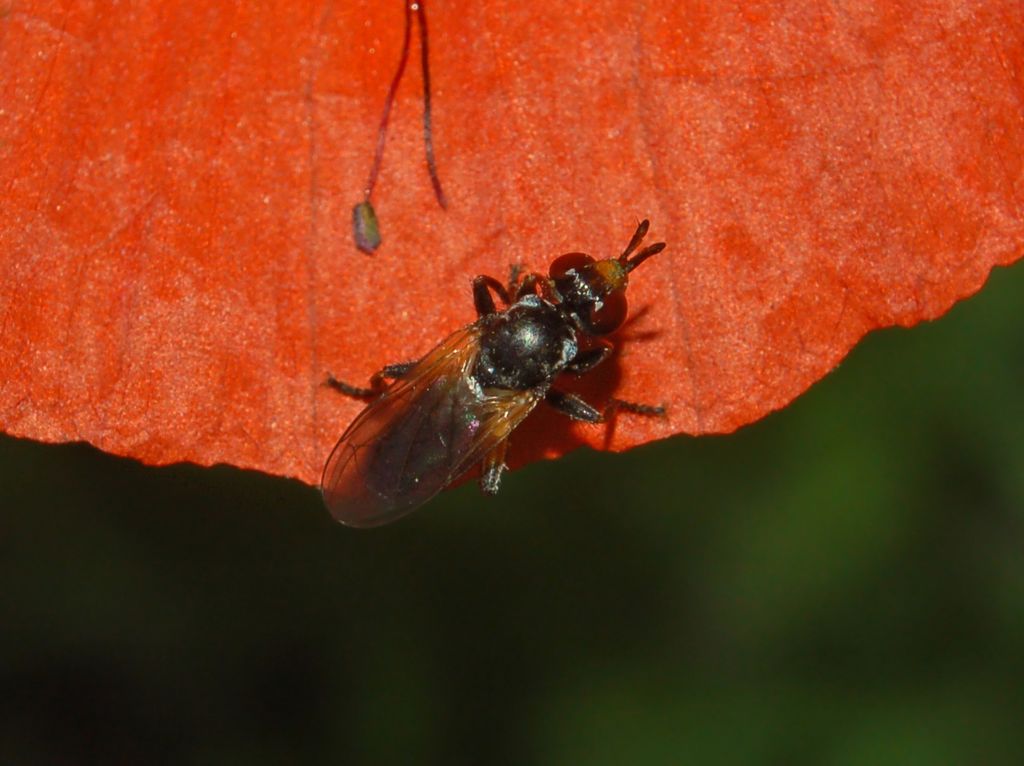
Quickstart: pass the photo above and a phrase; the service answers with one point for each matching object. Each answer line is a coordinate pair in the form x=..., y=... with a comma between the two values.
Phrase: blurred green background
x=841, y=583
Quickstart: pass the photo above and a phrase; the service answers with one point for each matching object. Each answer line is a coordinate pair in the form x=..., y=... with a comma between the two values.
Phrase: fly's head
x=593, y=292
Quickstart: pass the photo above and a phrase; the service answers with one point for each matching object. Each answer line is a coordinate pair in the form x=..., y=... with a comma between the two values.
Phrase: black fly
x=458, y=404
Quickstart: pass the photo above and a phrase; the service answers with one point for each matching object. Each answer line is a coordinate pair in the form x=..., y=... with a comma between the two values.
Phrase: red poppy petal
x=177, y=268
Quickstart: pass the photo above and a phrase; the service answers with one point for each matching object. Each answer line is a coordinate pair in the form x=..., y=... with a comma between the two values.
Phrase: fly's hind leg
x=492, y=469
x=653, y=410
x=574, y=407
x=378, y=382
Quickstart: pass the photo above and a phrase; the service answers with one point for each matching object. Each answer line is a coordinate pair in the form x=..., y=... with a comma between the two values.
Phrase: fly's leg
x=653, y=410
x=528, y=286
x=493, y=468
x=588, y=359
x=483, y=285
x=482, y=299
x=574, y=407
x=377, y=381
x=513, y=278
x=521, y=287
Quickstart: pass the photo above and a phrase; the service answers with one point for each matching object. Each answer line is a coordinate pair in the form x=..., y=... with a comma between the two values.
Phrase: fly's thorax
x=524, y=347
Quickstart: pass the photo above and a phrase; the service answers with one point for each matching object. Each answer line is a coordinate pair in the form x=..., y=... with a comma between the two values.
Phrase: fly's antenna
x=634, y=243
x=636, y=239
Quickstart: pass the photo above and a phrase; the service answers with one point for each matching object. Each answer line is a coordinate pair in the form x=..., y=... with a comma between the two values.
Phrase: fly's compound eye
x=610, y=316
x=563, y=264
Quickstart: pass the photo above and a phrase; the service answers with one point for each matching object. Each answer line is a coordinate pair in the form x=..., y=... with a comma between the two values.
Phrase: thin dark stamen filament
x=388, y=103
x=428, y=141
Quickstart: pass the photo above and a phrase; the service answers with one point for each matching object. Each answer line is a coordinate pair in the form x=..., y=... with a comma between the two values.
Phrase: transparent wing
x=421, y=434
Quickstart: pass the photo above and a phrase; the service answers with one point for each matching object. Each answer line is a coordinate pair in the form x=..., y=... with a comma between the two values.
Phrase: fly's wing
x=421, y=434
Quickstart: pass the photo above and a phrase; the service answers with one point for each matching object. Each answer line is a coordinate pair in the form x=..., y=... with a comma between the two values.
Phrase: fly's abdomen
x=418, y=452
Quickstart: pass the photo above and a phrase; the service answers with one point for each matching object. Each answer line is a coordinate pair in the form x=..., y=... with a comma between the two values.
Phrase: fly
x=458, y=405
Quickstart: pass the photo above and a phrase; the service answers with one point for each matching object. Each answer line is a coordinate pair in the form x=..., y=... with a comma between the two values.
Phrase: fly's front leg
x=516, y=289
x=528, y=286
x=513, y=278
x=492, y=469
x=377, y=381
x=482, y=299
x=519, y=288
